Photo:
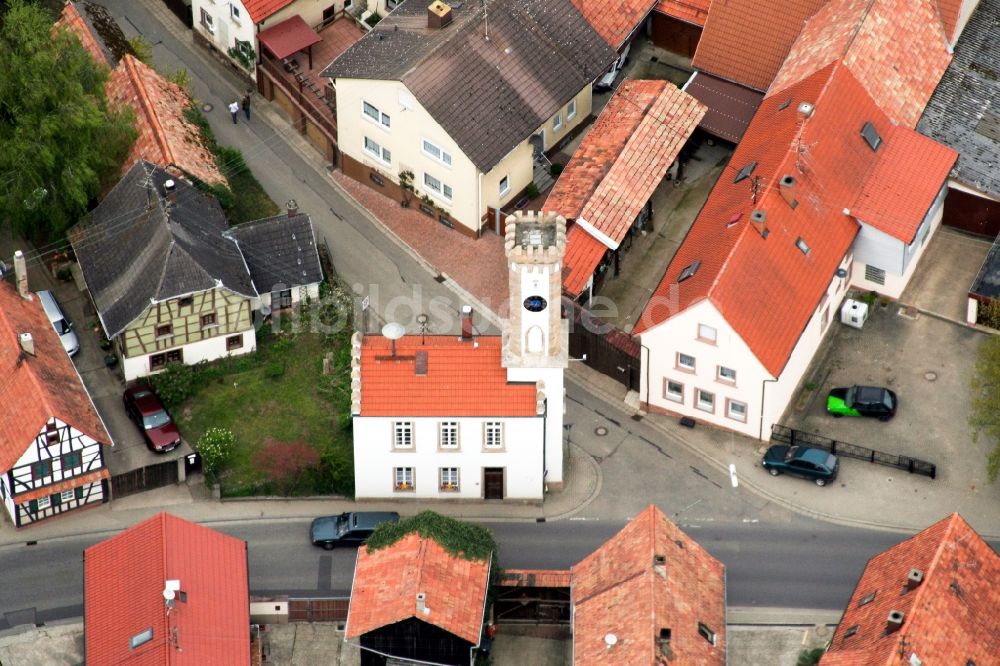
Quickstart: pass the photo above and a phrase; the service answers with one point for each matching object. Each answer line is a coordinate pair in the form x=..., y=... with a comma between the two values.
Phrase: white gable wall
x=208, y=349
x=375, y=457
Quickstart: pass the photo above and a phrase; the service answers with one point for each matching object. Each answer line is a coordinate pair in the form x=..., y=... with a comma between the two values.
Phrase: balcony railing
x=304, y=93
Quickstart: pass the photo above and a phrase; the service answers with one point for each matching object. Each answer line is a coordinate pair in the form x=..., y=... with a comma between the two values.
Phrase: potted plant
x=406, y=184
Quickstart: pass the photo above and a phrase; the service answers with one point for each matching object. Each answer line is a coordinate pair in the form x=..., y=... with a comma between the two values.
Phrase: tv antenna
x=422, y=323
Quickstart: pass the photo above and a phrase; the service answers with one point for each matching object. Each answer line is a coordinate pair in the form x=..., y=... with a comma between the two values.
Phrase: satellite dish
x=169, y=594
x=421, y=319
x=393, y=330
x=265, y=310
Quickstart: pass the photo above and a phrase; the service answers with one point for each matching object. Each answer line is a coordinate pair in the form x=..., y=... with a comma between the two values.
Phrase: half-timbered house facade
x=51, y=437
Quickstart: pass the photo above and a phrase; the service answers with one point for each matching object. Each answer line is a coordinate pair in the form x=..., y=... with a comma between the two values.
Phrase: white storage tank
x=854, y=313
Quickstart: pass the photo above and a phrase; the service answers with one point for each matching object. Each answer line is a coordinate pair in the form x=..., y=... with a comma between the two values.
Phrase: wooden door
x=493, y=483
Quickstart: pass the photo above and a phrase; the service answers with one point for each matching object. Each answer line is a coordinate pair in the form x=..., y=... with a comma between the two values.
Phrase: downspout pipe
x=763, y=385
x=648, y=357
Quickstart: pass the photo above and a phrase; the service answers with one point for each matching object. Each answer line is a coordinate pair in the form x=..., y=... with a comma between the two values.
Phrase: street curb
x=781, y=617
x=594, y=493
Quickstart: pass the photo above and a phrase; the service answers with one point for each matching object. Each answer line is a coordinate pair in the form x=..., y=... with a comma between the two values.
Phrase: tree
x=984, y=416
x=61, y=142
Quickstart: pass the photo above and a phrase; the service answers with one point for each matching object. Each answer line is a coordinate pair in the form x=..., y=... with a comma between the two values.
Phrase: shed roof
x=280, y=251
x=730, y=105
x=288, y=37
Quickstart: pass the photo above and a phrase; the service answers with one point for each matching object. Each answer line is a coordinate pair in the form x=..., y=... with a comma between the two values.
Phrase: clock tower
x=535, y=335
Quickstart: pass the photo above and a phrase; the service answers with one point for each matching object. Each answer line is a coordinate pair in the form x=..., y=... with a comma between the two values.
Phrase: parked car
x=607, y=80
x=144, y=407
x=804, y=461
x=348, y=529
x=62, y=325
x=875, y=401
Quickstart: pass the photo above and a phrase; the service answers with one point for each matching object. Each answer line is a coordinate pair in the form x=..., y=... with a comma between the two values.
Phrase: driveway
x=946, y=272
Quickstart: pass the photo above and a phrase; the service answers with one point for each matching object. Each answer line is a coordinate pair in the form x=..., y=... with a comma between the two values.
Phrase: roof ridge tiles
x=132, y=68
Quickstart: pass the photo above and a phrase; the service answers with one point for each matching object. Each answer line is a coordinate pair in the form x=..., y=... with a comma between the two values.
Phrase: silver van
x=63, y=326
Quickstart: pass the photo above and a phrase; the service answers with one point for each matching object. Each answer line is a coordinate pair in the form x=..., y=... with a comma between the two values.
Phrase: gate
x=785, y=435
x=609, y=350
x=144, y=478
x=331, y=609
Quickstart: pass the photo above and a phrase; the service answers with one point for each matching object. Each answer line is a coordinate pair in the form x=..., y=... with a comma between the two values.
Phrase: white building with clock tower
x=470, y=416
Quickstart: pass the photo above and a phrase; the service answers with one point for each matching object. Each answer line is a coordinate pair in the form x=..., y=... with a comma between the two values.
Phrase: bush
x=216, y=447
x=175, y=384
x=810, y=657
x=531, y=190
x=461, y=539
x=274, y=370
x=556, y=169
x=373, y=19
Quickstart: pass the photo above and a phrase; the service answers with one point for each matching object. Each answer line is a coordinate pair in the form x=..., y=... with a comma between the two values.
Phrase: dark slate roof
x=964, y=112
x=280, y=251
x=137, y=248
x=488, y=94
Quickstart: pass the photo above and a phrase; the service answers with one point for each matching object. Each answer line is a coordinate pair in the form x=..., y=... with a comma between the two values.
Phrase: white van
x=64, y=328
x=607, y=81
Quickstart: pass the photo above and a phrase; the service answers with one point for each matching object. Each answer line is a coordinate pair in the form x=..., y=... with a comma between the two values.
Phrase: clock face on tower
x=534, y=304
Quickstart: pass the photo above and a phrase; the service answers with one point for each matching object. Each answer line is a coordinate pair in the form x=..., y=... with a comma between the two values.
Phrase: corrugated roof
x=949, y=618
x=489, y=95
x=649, y=576
x=462, y=379
x=138, y=247
x=615, y=20
x=124, y=579
x=746, y=41
x=288, y=37
x=166, y=138
x=37, y=388
x=387, y=581
x=730, y=105
x=963, y=111
x=690, y=11
x=895, y=48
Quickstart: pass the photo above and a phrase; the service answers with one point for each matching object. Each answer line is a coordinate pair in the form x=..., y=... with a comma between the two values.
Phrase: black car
x=807, y=462
x=348, y=529
x=875, y=401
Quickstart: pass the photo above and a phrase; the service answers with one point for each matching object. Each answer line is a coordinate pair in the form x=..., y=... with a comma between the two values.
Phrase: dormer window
x=867, y=600
x=745, y=172
x=784, y=105
x=871, y=136
x=802, y=245
x=851, y=631
x=689, y=270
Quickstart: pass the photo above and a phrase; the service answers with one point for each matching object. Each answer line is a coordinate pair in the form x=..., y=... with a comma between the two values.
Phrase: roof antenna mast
x=486, y=19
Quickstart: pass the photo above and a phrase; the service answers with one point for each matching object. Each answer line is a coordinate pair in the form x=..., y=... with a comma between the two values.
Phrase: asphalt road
x=805, y=564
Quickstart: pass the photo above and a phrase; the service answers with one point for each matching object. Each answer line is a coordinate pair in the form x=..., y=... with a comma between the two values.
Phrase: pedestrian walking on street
x=234, y=109
x=246, y=105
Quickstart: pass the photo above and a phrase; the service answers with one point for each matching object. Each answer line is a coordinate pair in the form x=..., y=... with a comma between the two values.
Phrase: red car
x=144, y=407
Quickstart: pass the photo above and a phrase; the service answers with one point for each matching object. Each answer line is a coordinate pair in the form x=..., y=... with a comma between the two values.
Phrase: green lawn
x=288, y=439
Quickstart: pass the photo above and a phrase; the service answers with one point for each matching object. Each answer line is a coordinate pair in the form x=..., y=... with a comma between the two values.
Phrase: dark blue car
x=807, y=462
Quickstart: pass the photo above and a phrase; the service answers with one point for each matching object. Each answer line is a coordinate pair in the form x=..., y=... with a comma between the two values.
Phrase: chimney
x=787, y=188
x=21, y=275
x=170, y=190
x=466, y=322
x=660, y=565
x=438, y=15
x=422, y=604
x=27, y=343
x=914, y=579
x=806, y=109
x=894, y=621
x=759, y=219
x=292, y=206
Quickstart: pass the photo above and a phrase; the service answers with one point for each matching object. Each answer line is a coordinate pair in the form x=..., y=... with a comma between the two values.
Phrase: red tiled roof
x=746, y=40
x=904, y=183
x=689, y=11
x=536, y=578
x=950, y=618
x=75, y=482
x=949, y=11
x=618, y=166
x=166, y=137
x=583, y=254
x=124, y=579
x=462, y=379
x=387, y=581
x=614, y=20
x=895, y=48
x=622, y=589
x=71, y=19
x=261, y=9
x=40, y=387
x=288, y=37
x=767, y=289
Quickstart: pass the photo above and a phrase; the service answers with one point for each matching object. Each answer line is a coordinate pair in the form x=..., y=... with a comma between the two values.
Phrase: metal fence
x=325, y=609
x=780, y=433
x=144, y=478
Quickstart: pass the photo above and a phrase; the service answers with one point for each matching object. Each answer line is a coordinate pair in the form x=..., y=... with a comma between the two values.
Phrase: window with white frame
x=66, y=495
x=557, y=121
x=402, y=435
x=725, y=374
x=377, y=151
x=437, y=152
x=571, y=110
x=373, y=113
x=504, y=185
x=448, y=479
x=673, y=390
x=449, y=435
x=736, y=410
x=493, y=438
x=707, y=333
x=44, y=502
x=437, y=187
x=685, y=362
x=705, y=401
x=234, y=11
x=403, y=478
x=207, y=20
